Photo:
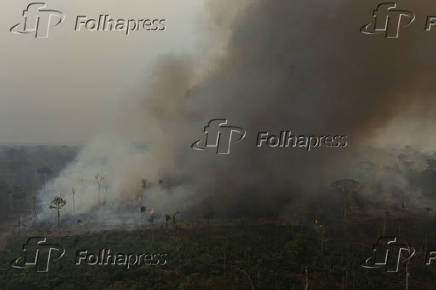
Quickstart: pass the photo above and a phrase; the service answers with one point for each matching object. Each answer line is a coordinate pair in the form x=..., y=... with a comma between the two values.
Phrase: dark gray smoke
x=300, y=66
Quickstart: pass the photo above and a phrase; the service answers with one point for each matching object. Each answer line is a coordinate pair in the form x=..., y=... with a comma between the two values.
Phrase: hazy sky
x=64, y=88
x=73, y=85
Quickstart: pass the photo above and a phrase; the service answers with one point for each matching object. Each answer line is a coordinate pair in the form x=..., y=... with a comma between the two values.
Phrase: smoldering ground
x=285, y=65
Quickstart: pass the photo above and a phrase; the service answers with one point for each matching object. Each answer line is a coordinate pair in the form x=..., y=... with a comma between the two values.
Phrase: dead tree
x=144, y=183
x=167, y=219
x=99, y=179
x=73, y=191
x=174, y=218
x=142, y=213
x=57, y=204
x=306, y=282
x=407, y=276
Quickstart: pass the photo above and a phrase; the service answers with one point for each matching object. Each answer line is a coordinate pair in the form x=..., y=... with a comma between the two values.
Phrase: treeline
x=23, y=171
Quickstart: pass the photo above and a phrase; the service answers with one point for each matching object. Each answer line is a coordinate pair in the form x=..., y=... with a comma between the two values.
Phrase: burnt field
x=240, y=254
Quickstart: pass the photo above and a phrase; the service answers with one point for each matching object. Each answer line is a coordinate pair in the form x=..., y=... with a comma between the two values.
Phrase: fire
x=152, y=211
x=139, y=197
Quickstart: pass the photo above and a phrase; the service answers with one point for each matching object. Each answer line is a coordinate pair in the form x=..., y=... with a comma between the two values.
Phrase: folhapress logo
x=38, y=20
x=388, y=254
x=388, y=20
x=38, y=254
x=218, y=134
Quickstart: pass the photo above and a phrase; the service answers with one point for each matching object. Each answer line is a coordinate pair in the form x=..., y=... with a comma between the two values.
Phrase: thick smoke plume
x=285, y=65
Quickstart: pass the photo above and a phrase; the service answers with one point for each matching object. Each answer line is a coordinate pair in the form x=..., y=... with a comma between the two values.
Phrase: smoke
x=280, y=65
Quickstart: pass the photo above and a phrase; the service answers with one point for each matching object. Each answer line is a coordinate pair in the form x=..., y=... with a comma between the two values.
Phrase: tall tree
x=73, y=191
x=57, y=204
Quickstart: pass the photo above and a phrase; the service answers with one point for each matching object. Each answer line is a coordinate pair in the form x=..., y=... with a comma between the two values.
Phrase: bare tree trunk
x=306, y=287
x=344, y=280
x=59, y=216
x=74, y=202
